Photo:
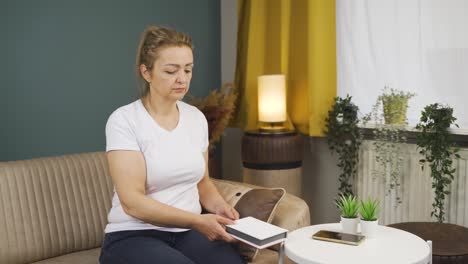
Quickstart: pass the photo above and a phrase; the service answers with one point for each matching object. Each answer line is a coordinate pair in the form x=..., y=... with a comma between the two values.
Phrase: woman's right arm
x=128, y=172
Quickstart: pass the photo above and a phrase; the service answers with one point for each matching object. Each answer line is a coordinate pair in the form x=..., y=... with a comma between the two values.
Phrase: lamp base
x=269, y=130
x=273, y=159
x=273, y=128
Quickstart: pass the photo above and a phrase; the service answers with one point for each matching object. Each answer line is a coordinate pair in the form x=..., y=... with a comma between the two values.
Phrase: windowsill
x=460, y=135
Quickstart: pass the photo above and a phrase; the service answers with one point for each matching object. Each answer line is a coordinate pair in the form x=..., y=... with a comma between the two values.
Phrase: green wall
x=66, y=65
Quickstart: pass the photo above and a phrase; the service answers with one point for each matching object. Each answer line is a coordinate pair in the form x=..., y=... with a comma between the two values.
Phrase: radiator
x=415, y=191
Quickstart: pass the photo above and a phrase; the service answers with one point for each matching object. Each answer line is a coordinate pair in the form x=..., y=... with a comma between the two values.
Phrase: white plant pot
x=369, y=228
x=349, y=225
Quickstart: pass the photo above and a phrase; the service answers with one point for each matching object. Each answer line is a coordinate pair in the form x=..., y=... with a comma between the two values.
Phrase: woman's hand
x=212, y=226
x=225, y=210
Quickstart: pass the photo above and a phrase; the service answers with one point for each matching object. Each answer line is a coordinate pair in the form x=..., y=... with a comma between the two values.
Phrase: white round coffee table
x=390, y=245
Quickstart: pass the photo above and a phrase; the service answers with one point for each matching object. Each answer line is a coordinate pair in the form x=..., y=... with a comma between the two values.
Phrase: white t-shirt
x=174, y=159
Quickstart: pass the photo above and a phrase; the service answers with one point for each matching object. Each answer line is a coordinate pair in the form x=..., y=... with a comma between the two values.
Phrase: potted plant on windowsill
x=395, y=105
x=344, y=138
x=438, y=149
x=388, y=114
x=349, y=208
x=369, y=212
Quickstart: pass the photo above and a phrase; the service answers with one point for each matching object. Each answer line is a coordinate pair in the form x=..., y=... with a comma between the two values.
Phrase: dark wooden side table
x=449, y=241
x=273, y=160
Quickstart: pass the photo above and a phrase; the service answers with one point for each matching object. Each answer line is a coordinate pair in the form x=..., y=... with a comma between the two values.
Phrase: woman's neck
x=160, y=106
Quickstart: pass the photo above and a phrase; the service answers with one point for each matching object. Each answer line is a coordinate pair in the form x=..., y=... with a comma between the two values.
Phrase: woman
x=157, y=153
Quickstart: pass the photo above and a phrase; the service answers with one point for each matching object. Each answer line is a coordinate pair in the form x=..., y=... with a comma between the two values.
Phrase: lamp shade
x=272, y=98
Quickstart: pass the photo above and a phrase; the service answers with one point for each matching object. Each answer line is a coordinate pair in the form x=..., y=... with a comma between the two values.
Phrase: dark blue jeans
x=152, y=247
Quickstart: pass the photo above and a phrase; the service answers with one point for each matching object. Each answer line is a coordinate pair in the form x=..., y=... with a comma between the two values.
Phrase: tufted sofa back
x=50, y=207
x=53, y=206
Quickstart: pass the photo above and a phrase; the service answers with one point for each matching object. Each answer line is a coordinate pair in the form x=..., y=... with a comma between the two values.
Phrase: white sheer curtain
x=412, y=45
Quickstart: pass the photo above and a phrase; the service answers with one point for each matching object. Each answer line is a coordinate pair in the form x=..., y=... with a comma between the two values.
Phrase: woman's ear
x=145, y=72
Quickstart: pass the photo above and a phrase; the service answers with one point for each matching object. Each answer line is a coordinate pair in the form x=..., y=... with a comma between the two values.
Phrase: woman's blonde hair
x=152, y=41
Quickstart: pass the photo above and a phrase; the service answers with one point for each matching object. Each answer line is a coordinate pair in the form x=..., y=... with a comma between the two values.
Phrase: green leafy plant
x=369, y=209
x=388, y=157
x=348, y=206
x=386, y=116
x=390, y=107
x=438, y=148
x=395, y=105
x=344, y=138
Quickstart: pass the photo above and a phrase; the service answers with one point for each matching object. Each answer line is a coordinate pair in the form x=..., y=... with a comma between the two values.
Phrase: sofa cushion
x=292, y=212
x=81, y=257
x=250, y=201
x=53, y=206
x=259, y=203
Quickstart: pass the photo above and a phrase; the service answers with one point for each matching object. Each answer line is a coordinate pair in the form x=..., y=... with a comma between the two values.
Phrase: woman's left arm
x=210, y=198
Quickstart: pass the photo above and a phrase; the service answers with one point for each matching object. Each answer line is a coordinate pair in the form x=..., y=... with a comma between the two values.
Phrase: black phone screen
x=338, y=237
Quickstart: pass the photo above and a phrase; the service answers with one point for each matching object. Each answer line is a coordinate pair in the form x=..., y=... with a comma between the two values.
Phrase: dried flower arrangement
x=218, y=108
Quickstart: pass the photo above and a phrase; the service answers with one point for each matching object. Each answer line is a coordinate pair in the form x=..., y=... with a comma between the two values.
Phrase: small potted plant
x=369, y=212
x=349, y=208
x=395, y=104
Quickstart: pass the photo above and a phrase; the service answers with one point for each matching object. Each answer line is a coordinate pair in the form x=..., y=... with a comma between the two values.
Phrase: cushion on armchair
x=261, y=204
x=256, y=202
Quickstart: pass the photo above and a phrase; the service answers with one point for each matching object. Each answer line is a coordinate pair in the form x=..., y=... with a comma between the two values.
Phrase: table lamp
x=272, y=155
x=272, y=103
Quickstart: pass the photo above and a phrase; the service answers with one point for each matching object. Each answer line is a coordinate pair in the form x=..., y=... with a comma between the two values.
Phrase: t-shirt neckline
x=155, y=123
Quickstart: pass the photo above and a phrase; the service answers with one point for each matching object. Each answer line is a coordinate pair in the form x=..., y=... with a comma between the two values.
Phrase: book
x=257, y=233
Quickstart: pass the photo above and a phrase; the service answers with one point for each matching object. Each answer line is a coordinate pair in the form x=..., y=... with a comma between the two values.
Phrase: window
x=411, y=45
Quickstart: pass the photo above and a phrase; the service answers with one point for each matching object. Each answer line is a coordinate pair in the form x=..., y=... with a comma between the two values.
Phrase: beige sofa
x=53, y=210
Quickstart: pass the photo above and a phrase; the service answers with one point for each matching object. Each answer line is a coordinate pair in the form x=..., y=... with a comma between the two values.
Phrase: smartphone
x=338, y=237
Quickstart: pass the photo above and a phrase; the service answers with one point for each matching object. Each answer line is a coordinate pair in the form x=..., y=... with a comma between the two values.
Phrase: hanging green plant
x=344, y=138
x=388, y=116
x=438, y=149
x=389, y=158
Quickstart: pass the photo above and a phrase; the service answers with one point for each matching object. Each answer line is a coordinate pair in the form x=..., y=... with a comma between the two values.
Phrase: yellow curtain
x=291, y=37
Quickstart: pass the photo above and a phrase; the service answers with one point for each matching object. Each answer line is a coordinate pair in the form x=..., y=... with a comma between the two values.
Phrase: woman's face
x=171, y=73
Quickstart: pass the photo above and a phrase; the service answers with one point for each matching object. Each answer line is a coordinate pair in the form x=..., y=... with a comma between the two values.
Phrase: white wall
x=320, y=174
